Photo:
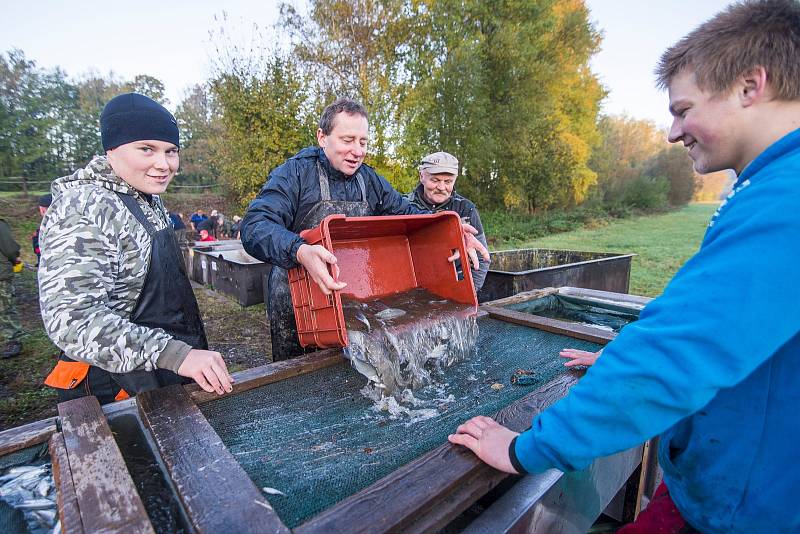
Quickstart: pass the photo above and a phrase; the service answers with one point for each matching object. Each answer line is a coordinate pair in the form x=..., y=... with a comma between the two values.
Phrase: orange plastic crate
x=379, y=256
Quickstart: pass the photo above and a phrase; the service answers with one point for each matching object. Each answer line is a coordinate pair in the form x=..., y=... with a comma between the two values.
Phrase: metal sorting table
x=515, y=271
x=227, y=268
x=207, y=490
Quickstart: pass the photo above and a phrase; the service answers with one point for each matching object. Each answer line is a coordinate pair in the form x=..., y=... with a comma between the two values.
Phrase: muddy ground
x=240, y=334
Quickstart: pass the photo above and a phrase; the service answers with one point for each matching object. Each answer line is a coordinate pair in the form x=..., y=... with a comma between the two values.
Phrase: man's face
x=438, y=188
x=147, y=166
x=707, y=125
x=346, y=145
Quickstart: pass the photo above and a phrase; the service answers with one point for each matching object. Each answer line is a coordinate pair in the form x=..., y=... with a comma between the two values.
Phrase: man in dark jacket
x=436, y=192
x=10, y=329
x=44, y=203
x=315, y=183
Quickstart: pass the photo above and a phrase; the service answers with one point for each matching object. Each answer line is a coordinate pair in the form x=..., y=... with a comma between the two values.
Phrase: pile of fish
x=400, y=341
x=31, y=490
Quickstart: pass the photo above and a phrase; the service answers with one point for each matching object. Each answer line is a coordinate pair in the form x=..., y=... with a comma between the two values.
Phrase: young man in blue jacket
x=712, y=364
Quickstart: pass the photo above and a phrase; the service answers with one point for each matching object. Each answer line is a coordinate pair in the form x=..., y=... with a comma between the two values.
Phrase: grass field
x=663, y=243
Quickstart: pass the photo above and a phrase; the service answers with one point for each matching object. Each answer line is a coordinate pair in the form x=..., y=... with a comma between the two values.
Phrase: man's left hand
x=473, y=246
x=488, y=439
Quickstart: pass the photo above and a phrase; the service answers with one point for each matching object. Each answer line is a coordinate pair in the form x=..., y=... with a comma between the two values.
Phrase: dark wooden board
x=273, y=372
x=67, y=501
x=216, y=493
x=430, y=491
x=105, y=493
x=586, y=333
x=24, y=436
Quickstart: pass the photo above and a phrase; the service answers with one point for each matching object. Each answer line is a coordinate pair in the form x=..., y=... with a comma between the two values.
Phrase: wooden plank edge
x=67, y=501
x=21, y=437
x=269, y=373
x=196, y=438
x=586, y=333
x=523, y=296
x=104, y=477
x=444, y=481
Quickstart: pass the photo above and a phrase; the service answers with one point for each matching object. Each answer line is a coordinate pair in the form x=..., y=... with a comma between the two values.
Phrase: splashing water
x=402, y=342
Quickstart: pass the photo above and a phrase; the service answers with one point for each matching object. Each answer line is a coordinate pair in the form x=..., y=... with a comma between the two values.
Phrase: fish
x=272, y=491
x=361, y=317
x=390, y=313
x=35, y=504
x=43, y=487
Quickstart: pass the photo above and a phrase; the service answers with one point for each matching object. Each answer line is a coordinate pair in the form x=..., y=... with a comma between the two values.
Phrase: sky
x=171, y=40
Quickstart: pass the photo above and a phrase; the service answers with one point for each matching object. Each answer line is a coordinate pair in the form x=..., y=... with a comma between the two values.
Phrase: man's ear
x=752, y=87
x=320, y=138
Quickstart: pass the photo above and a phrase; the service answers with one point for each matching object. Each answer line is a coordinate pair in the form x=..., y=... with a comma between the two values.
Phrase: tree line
x=504, y=86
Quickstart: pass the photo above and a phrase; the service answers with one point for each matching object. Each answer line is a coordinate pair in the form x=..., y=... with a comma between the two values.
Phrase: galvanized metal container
x=515, y=271
x=237, y=274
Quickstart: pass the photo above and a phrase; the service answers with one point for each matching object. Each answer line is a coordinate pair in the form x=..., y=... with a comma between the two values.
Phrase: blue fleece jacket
x=713, y=365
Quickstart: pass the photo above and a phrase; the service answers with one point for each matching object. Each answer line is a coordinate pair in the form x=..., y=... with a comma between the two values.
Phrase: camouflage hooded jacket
x=95, y=256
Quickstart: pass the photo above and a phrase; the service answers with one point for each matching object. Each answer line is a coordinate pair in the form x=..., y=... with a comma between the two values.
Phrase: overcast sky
x=170, y=40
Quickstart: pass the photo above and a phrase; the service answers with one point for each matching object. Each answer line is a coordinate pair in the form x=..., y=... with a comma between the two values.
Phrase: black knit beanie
x=134, y=117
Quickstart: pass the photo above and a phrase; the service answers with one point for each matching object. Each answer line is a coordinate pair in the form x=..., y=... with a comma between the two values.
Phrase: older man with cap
x=436, y=192
x=113, y=288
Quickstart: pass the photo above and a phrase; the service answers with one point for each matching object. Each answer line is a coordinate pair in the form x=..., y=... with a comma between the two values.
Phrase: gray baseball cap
x=439, y=162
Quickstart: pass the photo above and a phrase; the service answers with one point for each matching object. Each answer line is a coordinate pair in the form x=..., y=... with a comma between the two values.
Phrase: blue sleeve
x=725, y=313
x=265, y=227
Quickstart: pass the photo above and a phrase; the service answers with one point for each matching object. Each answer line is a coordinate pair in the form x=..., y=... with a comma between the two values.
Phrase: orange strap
x=122, y=395
x=67, y=375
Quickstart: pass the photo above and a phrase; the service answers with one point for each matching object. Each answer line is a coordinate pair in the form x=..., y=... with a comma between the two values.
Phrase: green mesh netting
x=579, y=311
x=318, y=439
x=159, y=501
x=12, y=520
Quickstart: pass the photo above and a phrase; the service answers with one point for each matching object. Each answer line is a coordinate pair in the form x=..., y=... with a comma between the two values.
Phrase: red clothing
x=208, y=238
x=660, y=517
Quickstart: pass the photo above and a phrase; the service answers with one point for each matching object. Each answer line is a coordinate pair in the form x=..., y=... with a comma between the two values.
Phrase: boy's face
x=707, y=124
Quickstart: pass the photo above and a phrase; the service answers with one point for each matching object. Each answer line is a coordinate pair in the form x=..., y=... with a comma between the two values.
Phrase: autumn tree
x=505, y=86
x=264, y=120
x=199, y=121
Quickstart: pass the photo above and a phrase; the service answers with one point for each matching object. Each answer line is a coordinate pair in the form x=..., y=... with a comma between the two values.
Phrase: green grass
x=663, y=243
x=14, y=194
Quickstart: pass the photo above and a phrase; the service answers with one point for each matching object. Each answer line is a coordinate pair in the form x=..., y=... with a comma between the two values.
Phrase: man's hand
x=208, y=369
x=579, y=357
x=315, y=258
x=473, y=246
x=488, y=439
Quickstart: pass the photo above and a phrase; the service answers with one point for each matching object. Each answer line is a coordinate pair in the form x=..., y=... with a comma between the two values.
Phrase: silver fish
x=361, y=317
x=35, y=504
x=390, y=313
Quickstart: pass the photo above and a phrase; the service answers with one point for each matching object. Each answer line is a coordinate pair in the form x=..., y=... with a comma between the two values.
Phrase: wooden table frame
x=425, y=494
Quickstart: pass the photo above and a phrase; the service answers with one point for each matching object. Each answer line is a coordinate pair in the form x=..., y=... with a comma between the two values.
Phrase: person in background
x=196, y=218
x=225, y=227
x=113, y=288
x=10, y=329
x=435, y=192
x=237, y=221
x=176, y=219
x=44, y=203
x=205, y=236
x=711, y=364
x=316, y=182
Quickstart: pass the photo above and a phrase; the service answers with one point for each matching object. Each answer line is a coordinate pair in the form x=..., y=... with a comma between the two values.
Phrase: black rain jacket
x=292, y=189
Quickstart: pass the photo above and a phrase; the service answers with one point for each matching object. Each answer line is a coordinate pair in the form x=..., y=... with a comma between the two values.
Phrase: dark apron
x=166, y=301
x=283, y=328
